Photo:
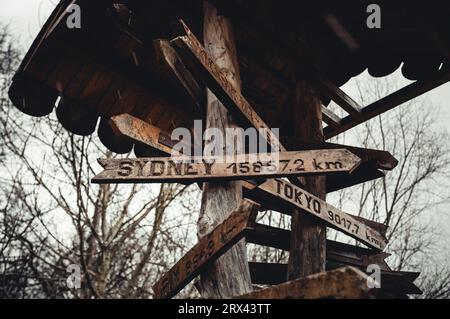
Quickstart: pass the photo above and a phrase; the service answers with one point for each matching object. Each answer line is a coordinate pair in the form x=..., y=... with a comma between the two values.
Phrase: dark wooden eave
x=119, y=61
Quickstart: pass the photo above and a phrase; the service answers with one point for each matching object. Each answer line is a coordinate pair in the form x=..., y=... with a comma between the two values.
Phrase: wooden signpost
x=208, y=249
x=201, y=169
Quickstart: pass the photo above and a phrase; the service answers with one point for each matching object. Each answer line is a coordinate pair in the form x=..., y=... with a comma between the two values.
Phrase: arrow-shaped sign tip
x=103, y=162
x=356, y=159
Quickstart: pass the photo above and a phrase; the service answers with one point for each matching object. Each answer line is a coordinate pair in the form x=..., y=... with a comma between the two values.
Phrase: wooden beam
x=342, y=283
x=177, y=74
x=138, y=80
x=237, y=167
x=207, y=250
x=389, y=102
x=330, y=117
x=267, y=273
x=382, y=159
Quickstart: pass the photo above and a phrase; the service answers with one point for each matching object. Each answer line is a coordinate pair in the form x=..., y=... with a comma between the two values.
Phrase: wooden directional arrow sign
x=208, y=249
x=335, y=218
x=182, y=169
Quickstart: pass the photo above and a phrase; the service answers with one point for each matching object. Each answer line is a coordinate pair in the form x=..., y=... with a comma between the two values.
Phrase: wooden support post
x=308, y=236
x=229, y=276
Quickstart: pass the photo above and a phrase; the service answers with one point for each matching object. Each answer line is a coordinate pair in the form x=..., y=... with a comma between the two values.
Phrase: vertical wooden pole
x=230, y=275
x=308, y=236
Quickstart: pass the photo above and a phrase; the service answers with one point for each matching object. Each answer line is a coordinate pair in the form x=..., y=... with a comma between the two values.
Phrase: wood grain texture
x=372, y=160
x=143, y=132
x=337, y=252
x=308, y=236
x=342, y=283
x=229, y=275
x=208, y=249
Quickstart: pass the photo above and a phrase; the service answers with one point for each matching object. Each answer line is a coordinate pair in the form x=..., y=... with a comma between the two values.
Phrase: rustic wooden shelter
x=121, y=61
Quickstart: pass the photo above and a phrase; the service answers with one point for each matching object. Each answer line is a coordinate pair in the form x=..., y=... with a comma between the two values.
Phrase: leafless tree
x=409, y=197
x=120, y=237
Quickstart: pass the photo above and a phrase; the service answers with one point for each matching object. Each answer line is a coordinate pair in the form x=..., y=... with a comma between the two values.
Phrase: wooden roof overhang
x=121, y=61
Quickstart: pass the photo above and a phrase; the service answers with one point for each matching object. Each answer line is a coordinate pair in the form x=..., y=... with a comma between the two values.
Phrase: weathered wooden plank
x=342, y=283
x=372, y=162
x=330, y=117
x=143, y=132
x=340, y=97
x=182, y=168
x=193, y=52
x=345, y=254
x=178, y=74
x=66, y=69
x=134, y=90
x=208, y=249
x=336, y=252
x=399, y=282
x=335, y=218
x=389, y=102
